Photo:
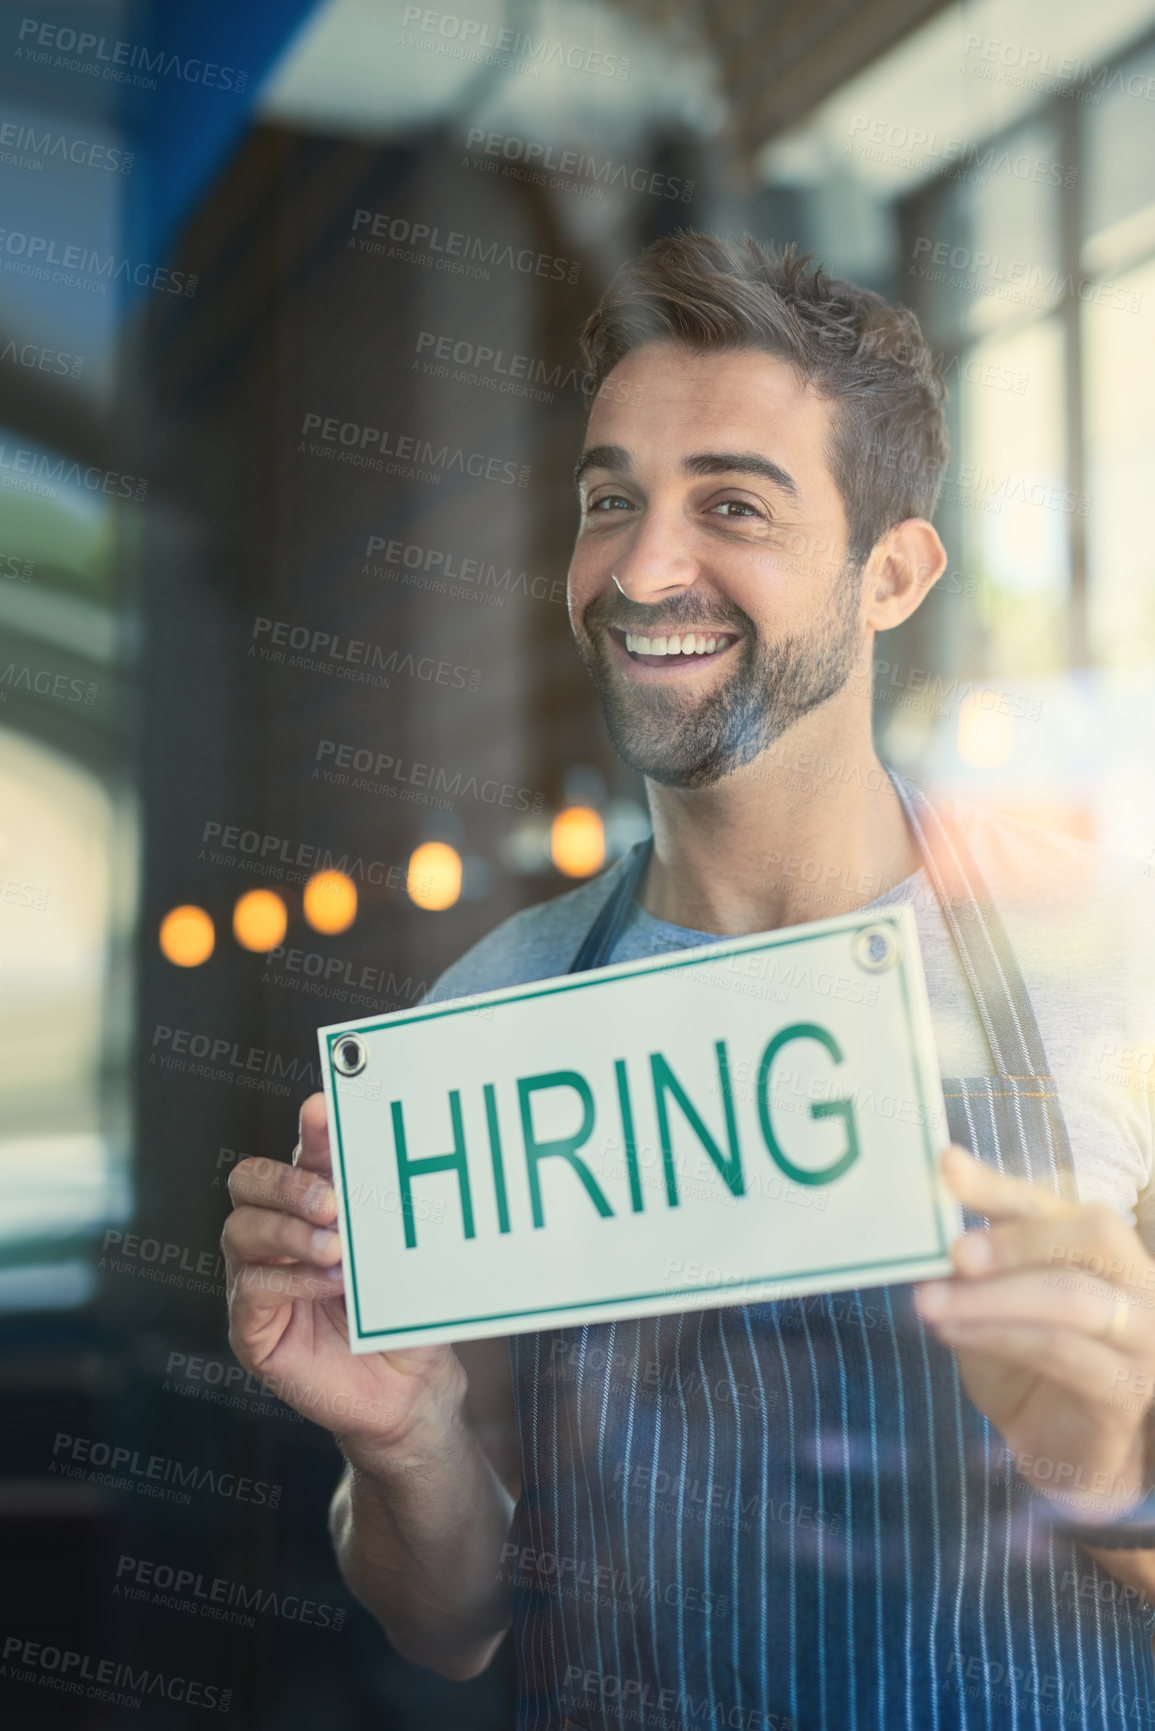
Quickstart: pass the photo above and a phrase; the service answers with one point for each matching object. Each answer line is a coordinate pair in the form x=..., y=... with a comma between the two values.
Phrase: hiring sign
x=732, y=1124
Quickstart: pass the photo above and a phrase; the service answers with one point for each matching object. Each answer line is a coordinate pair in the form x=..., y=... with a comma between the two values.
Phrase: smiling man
x=893, y=1508
x=762, y=686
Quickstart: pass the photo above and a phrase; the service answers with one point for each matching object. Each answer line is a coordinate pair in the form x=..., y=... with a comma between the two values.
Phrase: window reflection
x=1119, y=385
x=1014, y=496
x=63, y=1173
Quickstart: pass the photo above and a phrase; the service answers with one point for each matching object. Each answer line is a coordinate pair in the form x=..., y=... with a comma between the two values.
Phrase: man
x=889, y=1508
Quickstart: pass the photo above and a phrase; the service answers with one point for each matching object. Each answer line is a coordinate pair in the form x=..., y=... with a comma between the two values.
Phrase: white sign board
x=732, y=1124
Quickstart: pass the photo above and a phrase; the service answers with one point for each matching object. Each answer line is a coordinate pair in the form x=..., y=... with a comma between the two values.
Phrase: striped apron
x=789, y=1516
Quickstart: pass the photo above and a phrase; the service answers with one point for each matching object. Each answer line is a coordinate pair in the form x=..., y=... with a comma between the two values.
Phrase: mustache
x=614, y=611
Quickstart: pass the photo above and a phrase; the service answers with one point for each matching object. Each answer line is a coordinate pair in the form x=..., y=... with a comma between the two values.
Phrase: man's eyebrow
x=701, y=463
x=742, y=463
x=602, y=457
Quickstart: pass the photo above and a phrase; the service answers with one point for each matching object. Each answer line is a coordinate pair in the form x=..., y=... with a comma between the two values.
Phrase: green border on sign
x=657, y=965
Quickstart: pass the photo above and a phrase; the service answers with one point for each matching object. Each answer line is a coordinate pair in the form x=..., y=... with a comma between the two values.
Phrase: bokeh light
x=434, y=880
x=985, y=732
x=577, y=841
x=187, y=936
x=330, y=901
x=260, y=920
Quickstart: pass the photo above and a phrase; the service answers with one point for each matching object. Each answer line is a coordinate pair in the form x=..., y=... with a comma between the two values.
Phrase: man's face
x=705, y=493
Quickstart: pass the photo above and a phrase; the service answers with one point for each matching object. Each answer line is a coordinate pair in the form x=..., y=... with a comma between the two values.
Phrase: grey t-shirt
x=1081, y=923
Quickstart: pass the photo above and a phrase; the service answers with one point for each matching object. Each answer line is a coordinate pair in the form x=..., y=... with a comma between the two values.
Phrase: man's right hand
x=421, y=1549
x=287, y=1308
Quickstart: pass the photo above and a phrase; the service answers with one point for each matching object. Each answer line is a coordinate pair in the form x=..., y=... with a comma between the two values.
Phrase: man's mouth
x=675, y=648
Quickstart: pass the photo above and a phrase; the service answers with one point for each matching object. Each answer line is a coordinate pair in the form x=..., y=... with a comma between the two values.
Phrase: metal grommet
x=875, y=948
x=349, y=1055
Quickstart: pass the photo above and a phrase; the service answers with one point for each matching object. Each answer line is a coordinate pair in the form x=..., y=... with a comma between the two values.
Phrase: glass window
x=1119, y=167
x=1015, y=268
x=1119, y=388
x=63, y=1178
x=1012, y=494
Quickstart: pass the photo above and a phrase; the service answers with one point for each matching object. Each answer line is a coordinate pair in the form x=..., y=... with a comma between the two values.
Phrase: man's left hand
x=1051, y=1313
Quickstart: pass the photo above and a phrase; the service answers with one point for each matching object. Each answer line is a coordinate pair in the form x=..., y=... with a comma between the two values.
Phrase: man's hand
x=287, y=1307
x=1052, y=1315
x=421, y=1516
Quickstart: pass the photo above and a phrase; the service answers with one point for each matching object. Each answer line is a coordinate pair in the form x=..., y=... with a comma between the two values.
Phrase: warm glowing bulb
x=434, y=880
x=330, y=902
x=577, y=841
x=259, y=920
x=187, y=936
x=985, y=732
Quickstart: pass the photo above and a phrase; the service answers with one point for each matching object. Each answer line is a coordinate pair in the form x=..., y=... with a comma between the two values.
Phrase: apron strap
x=598, y=944
x=988, y=961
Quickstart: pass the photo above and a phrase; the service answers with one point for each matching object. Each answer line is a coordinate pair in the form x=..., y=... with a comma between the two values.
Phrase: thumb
x=312, y=1150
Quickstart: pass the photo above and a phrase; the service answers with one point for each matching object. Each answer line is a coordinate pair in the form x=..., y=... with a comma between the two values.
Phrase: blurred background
x=289, y=710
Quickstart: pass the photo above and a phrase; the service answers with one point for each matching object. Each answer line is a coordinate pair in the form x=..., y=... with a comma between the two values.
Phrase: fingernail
x=974, y=1253
x=324, y=1239
x=321, y=1198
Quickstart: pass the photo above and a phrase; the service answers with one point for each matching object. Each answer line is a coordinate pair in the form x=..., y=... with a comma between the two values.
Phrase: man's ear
x=903, y=568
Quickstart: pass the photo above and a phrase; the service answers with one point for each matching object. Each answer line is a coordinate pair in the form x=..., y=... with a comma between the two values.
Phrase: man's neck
x=807, y=830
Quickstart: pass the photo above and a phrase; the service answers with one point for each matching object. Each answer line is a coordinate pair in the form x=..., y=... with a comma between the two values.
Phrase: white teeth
x=690, y=643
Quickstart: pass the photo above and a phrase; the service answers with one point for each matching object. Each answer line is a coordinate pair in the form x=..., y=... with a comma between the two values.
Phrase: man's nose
x=657, y=563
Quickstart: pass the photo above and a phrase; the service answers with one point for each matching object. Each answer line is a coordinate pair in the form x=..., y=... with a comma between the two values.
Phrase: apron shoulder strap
x=598, y=944
x=979, y=936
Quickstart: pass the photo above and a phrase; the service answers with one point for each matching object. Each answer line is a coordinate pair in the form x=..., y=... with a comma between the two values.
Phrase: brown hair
x=889, y=447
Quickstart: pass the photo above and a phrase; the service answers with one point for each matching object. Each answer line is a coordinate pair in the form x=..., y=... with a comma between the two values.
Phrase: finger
x=1087, y=1308
x=1075, y=1362
x=265, y=1183
x=312, y=1150
x=261, y=1288
x=261, y=1234
x=980, y=1188
x=1094, y=1240
x=261, y=1298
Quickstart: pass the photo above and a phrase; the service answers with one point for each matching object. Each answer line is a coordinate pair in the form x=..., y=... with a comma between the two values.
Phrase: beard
x=685, y=741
